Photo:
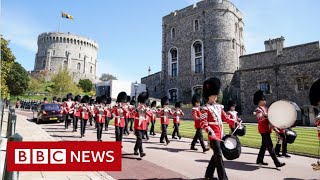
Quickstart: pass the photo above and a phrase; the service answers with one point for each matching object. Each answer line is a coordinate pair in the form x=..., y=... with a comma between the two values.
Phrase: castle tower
x=78, y=54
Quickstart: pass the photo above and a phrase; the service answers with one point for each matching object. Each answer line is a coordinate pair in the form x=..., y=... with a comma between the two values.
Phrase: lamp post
x=135, y=91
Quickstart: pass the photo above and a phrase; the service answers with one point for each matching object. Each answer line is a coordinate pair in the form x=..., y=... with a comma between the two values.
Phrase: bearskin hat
x=143, y=97
x=69, y=96
x=109, y=100
x=85, y=99
x=128, y=98
x=258, y=96
x=77, y=98
x=91, y=101
x=98, y=100
x=64, y=99
x=154, y=104
x=58, y=99
x=196, y=98
x=178, y=104
x=122, y=97
x=132, y=102
x=231, y=103
x=103, y=99
x=211, y=86
x=54, y=98
x=164, y=101
x=314, y=94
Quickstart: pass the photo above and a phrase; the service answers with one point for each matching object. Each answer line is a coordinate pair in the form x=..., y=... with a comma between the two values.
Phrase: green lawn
x=306, y=142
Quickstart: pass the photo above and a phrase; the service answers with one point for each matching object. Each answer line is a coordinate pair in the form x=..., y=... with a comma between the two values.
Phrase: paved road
x=176, y=161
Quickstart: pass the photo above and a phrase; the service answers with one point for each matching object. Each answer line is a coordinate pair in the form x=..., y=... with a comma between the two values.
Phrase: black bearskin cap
x=211, y=86
x=91, y=101
x=314, y=94
x=231, y=103
x=85, y=99
x=109, y=100
x=98, y=100
x=164, y=101
x=258, y=96
x=54, y=98
x=132, y=102
x=103, y=99
x=64, y=99
x=128, y=98
x=143, y=97
x=196, y=99
x=69, y=96
x=178, y=104
x=58, y=99
x=154, y=104
x=122, y=97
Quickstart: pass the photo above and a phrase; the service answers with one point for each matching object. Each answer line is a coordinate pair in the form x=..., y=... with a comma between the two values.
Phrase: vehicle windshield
x=50, y=107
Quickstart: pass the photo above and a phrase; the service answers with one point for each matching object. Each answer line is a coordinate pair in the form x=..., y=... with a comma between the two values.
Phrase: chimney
x=274, y=44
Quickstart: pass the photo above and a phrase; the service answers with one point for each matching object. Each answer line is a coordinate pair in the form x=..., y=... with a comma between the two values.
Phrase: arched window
x=43, y=63
x=155, y=89
x=173, y=93
x=197, y=63
x=79, y=55
x=81, y=43
x=54, y=52
x=64, y=40
x=50, y=38
x=67, y=40
x=90, y=69
x=66, y=53
x=78, y=66
x=196, y=25
x=71, y=41
x=173, y=33
x=173, y=62
x=197, y=89
x=233, y=43
x=60, y=39
x=78, y=42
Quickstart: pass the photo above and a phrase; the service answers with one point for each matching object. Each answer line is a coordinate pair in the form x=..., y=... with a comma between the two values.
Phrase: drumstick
x=236, y=128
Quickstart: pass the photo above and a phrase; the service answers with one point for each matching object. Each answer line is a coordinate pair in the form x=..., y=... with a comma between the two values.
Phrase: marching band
x=129, y=116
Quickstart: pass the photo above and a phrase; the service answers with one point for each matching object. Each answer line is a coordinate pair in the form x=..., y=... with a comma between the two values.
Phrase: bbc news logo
x=64, y=156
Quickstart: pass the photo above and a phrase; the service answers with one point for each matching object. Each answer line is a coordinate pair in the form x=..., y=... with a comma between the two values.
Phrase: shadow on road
x=129, y=156
x=242, y=166
x=164, y=179
x=167, y=149
x=60, y=136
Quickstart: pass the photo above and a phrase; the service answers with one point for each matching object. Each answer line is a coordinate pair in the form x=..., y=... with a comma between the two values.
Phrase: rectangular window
x=303, y=83
x=265, y=87
x=174, y=70
x=198, y=68
x=173, y=94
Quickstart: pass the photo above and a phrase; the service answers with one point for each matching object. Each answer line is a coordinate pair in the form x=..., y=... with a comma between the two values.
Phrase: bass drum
x=283, y=114
x=230, y=147
x=241, y=131
x=290, y=135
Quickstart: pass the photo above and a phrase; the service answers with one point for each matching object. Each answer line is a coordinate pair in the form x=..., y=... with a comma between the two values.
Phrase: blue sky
x=129, y=31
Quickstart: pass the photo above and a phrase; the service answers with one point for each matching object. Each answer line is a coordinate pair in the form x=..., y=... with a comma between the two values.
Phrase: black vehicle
x=50, y=112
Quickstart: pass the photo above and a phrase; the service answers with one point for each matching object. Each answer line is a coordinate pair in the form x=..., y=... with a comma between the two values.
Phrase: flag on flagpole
x=66, y=15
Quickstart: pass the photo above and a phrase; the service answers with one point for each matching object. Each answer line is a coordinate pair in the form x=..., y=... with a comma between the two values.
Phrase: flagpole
x=59, y=22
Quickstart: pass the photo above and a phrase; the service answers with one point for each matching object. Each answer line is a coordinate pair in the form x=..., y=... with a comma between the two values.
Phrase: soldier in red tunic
x=127, y=116
x=264, y=129
x=211, y=118
x=140, y=122
x=281, y=140
x=119, y=112
x=233, y=114
x=101, y=115
x=164, y=113
x=76, y=113
x=196, y=117
x=84, y=114
x=177, y=113
x=154, y=117
x=131, y=110
x=108, y=109
x=68, y=107
x=314, y=97
x=91, y=107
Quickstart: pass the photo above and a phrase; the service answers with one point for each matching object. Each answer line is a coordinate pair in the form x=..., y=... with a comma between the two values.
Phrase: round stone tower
x=64, y=50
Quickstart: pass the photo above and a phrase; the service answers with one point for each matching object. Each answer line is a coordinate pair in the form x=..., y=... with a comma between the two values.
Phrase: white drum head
x=282, y=114
x=230, y=143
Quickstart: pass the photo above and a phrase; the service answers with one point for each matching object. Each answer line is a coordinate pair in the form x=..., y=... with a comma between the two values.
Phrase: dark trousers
x=67, y=121
x=216, y=161
x=83, y=126
x=99, y=131
x=131, y=123
x=284, y=144
x=153, y=122
x=90, y=119
x=126, y=131
x=267, y=144
x=145, y=132
x=119, y=133
x=138, y=145
x=164, y=132
x=176, y=130
x=75, y=123
x=107, y=123
x=199, y=136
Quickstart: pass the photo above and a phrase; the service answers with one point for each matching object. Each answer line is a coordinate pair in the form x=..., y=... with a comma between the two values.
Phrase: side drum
x=291, y=136
x=230, y=147
x=241, y=131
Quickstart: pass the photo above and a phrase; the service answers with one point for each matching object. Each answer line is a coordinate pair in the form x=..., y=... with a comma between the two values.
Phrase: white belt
x=214, y=123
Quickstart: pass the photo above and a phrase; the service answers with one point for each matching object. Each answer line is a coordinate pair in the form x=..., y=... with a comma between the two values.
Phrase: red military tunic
x=211, y=120
x=84, y=112
x=154, y=114
x=196, y=117
x=140, y=117
x=68, y=107
x=261, y=113
x=119, y=113
x=318, y=125
x=164, y=115
x=108, y=110
x=76, y=111
x=233, y=115
x=176, y=116
x=100, y=113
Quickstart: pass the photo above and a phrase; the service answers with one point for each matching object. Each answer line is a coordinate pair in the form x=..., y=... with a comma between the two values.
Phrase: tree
x=17, y=79
x=62, y=83
x=34, y=85
x=7, y=59
x=85, y=84
x=107, y=77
